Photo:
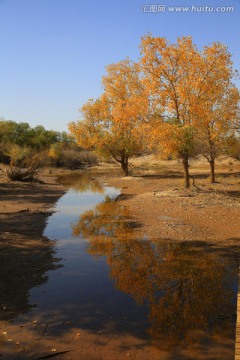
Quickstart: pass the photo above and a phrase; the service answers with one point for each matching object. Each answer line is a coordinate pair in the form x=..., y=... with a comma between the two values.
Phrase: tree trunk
x=123, y=161
x=212, y=169
x=186, y=170
x=124, y=165
x=212, y=157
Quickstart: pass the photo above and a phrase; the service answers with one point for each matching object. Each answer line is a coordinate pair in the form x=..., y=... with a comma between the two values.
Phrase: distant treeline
x=23, y=146
x=37, y=138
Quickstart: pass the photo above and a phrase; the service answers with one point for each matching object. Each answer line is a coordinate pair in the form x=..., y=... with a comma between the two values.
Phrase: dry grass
x=152, y=164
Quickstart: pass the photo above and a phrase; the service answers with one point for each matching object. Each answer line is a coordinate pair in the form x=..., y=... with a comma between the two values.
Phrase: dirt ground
x=168, y=211
x=157, y=200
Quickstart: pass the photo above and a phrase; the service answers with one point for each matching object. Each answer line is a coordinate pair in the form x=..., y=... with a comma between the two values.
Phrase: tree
x=219, y=99
x=112, y=123
x=42, y=138
x=193, y=93
x=171, y=75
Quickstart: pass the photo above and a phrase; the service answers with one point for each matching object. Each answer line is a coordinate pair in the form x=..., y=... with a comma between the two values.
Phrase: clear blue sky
x=53, y=52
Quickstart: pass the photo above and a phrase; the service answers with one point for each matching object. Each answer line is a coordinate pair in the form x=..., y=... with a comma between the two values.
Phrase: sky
x=53, y=53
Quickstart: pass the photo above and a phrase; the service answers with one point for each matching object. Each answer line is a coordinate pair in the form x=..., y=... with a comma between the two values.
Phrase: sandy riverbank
x=168, y=211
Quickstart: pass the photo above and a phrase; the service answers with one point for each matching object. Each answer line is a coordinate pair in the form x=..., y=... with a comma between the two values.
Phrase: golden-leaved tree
x=112, y=123
x=171, y=75
x=193, y=93
x=219, y=97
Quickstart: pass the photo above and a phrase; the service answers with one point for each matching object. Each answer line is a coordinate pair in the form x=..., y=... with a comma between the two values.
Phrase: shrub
x=24, y=163
x=21, y=174
x=70, y=157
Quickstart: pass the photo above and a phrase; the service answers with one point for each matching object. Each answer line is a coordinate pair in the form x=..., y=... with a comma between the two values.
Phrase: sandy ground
x=168, y=211
x=164, y=209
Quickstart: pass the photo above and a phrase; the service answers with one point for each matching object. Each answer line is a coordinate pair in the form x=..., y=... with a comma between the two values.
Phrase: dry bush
x=21, y=174
x=235, y=150
x=24, y=163
x=72, y=158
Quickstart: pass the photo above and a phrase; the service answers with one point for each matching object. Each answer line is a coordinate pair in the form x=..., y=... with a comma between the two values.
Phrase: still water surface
x=111, y=280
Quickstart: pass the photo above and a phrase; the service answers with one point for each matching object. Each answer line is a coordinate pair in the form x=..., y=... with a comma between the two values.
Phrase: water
x=110, y=280
x=82, y=290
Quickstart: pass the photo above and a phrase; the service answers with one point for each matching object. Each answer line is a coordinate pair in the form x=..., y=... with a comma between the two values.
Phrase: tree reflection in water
x=188, y=290
x=81, y=183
